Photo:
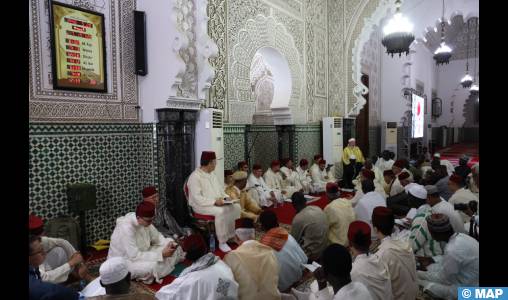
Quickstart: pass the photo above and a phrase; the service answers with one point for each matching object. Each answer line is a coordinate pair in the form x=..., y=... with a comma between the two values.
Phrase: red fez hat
x=228, y=173
x=366, y=173
x=399, y=163
x=34, y=222
x=285, y=161
x=322, y=162
x=275, y=163
x=359, y=229
x=318, y=156
x=456, y=178
x=303, y=162
x=149, y=191
x=382, y=215
x=332, y=187
x=403, y=175
x=256, y=167
x=241, y=164
x=145, y=209
x=193, y=241
x=244, y=223
x=388, y=173
x=208, y=155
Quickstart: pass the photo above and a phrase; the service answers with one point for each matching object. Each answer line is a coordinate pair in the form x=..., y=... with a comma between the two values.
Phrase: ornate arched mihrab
x=264, y=32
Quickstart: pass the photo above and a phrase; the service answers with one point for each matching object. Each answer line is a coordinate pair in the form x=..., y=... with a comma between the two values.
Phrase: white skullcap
x=418, y=191
x=113, y=270
x=245, y=234
x=437, y=155
x=351, y=140
x=352, y=156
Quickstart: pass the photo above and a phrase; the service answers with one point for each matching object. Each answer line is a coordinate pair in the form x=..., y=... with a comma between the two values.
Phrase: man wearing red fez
x=60, y=257
x=339, y=213
x=399, y=167
x=208, y=276
x=320, y=177
x=148, y=254
x=304, y=176
x=278, y=181
x=164, y=221
x=243, y=166
x=207, y=195
x=460, y=195
x=389, y=179
x=397, y=254
x=315, y=164
x=260, y=192
x=367, y=268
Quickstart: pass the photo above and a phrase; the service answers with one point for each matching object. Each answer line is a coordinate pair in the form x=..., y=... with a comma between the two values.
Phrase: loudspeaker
x=140, y=42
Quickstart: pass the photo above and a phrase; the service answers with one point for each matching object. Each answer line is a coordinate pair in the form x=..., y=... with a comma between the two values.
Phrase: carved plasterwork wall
x=371, y=65
x=119, y=103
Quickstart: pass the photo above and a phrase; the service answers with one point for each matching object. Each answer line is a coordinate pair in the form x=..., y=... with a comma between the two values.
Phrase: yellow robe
x=339, y=214
x=348, y=151
x=249, y=208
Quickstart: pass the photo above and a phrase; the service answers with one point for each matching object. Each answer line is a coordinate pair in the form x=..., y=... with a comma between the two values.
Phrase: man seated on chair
x=207, y=278
x=243, y=166
x=164, y=221
x=291, y=182
x=114, y=282
x=320, y=177
x=147, y=253
x=60, y=256
x=304, y=176
x=249, y=208
x=264, y=195
x=254, y=265
x=206, y=196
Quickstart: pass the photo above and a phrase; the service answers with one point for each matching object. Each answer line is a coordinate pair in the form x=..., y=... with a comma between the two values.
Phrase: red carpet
x=454, y=152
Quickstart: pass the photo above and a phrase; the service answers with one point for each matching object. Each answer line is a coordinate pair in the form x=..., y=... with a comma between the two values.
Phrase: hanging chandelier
x=398, y=33
x=467, y=80
x=443, y=53
x=475, y=89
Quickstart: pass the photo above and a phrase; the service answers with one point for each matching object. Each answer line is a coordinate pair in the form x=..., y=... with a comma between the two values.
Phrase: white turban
x=245, y=234
x=113, y=270
x=437, y=155
x=351, y=140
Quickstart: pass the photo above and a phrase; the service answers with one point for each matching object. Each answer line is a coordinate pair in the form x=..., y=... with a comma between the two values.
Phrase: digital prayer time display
x=79, y=56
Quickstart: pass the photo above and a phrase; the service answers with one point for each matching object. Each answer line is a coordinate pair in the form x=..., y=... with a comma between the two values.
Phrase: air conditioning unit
x=210, y=137
x=389, y=137
x=332, y=139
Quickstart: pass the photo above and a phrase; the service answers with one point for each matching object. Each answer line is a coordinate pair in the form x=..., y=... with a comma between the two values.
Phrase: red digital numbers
x=74, y=80
x=69, y=47
x=77, y=74
x=74, y=67
x=73, y=61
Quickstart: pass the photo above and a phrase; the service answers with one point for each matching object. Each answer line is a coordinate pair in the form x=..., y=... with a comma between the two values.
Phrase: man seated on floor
x=291, y=182
x=336, y=271
x=38, y=289
x=440, y=180
x=254, y=265
x=460, y=195
x=304, y=176
x=260, y=191
x=339, y=214
x=114, y=282
x=385, y=162
x=398, y=167
x=367, y=268
x=320, y=177
x=206, y=196
x=439, y=205
x=164, y=221
x=148, y=255
x=474, y=180
x=249, y=208
x=366, y=174
x=242, y=166
x=228, y=178
x=290, y=255
x=463, y=170
x=207, y=278
x=309, y=227
x=388, y=179
x=458, y=266
x=397, y=254
x=366, y=205
x=61, y=259
x=273, y=179
x=400, y=203
x=315, y=163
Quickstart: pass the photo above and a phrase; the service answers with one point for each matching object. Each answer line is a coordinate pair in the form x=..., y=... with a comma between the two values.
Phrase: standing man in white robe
x=367, y=203
x=206, y=196
x=208, y=278
x=260, y=191
x=385, y=162
x=304, y=176
x=460, y=194
x=149, y=256
x=273, y=179
x=367, y=268
x=320, y=177
x=291, y=183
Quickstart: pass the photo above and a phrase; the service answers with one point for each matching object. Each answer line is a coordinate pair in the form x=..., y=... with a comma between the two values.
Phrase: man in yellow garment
x=353, y=160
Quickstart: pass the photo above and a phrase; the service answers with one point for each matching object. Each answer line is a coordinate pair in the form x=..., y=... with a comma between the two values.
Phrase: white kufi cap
x=418, y=191
x=113, y=270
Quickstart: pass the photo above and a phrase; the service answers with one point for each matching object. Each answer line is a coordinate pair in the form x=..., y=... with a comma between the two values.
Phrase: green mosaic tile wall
x=117, y=158
x=234, y=145
x=308, y=139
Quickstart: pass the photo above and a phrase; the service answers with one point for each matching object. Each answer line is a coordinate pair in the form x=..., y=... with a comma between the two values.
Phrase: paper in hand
x=312, y=267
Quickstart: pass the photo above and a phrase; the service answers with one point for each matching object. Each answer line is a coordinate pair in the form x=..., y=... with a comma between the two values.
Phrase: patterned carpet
x=454, y=152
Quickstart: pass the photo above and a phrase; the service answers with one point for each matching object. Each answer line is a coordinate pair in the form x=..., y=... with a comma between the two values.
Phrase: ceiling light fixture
x=467, y=80
x=398, y=33
x=443, y=53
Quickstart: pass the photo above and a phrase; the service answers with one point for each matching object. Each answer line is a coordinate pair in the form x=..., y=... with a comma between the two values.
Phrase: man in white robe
x=315, y=163
x=291, y=182
x=320, y=177
x=398, y=167
x=148, y=255
x=273, y=179
x=367, y=268
x=460, y=195
x=397, y=254
x=385, y=162
x=207, y=195
x=208, y=278
x=458, y=266
x=260, y=191
x=440, y=206
x=370, y=200
x=304, y=176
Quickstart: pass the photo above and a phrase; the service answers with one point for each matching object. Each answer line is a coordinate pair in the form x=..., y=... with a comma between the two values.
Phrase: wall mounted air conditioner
x=332, y=139
x=389, y=137
x=210, y=137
